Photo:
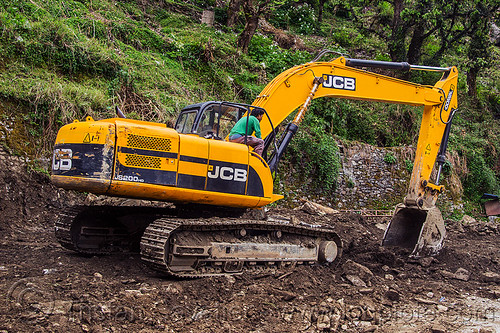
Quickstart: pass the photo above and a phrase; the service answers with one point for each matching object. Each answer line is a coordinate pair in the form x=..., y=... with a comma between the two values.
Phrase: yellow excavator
x=194, y=166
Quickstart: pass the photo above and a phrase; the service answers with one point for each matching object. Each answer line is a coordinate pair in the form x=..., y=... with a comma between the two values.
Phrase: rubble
x=462, y=274
x=118, y=293
x=490, y=277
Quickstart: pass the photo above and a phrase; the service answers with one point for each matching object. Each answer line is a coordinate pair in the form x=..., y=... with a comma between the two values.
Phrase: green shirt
x=253, y=126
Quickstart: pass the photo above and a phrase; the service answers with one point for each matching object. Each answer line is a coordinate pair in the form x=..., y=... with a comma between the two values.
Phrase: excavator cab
x=211, y=120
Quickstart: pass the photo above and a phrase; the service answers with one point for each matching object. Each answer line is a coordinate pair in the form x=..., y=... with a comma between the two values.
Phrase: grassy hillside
x=61, y=60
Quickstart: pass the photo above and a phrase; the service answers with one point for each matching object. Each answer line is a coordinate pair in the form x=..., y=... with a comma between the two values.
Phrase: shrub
x=480, y=179
x=389, y=158
x=315, y=157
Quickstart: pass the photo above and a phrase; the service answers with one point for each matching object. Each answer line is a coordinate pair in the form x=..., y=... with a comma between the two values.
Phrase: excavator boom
x=417, y=224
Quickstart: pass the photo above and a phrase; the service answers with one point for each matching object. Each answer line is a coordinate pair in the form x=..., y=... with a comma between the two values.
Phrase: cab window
x=229, y=116
x=217, y=120
x=185, y=121
x=209, y=121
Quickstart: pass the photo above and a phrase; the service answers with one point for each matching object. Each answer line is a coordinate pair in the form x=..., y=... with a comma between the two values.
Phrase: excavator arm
x=417, y=224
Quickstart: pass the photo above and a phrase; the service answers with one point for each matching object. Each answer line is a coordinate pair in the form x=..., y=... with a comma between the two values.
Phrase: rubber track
x=156, y=237
x=157, y=234
x=63, y=227
x=66, y=219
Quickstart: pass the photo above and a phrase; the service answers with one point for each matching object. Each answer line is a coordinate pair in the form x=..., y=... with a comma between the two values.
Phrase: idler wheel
x=328, y=251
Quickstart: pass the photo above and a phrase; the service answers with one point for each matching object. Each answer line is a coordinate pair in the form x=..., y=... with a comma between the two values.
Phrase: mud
x=44, y=287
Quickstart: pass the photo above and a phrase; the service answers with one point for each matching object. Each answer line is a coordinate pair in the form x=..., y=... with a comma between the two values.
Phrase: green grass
x=64, y=60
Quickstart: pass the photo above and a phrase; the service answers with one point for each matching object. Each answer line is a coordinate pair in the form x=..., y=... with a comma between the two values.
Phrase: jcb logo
x=339, y=82
x=227, y=173
x=62, y=159
x=448, y=98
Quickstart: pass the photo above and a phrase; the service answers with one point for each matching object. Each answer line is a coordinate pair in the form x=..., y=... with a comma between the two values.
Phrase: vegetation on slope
x=61, y=60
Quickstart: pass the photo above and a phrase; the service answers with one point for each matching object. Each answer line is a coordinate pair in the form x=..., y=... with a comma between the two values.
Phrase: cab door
x=227, y=169
x=193, y=159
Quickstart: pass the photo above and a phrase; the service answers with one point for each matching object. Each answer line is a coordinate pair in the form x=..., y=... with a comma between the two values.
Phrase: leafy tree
x=479, y=48
x=406, y=25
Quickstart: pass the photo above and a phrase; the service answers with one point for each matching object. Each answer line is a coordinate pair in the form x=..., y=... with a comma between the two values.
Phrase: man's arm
x=256, y=126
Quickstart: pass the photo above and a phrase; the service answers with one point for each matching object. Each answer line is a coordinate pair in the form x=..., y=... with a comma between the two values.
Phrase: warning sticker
x=91, y=138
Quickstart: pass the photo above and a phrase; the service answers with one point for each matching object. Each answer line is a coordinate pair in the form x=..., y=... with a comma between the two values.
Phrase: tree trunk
x=252, y=22
x=397, y=39
x=417, y=40
x=253, y=9
x=471, y=82
x=321, y=6
x=232, y=12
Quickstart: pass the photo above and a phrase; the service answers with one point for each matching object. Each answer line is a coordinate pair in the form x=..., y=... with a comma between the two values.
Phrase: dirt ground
x=44, y=287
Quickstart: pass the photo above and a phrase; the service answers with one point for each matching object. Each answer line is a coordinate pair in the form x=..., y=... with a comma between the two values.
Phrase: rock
x=54, y=307
x=436, y=328
x=425, y=301
x=171, y=289
x=442, y=308
x=494, y=291
x=467, y=220
x=323, y=322
x=393, y=295
x=133, y=292
x=200, y=314
x=462, y=274
x=353, y=268
x=317, y=209
x=426, y=262
x=208, y=17
x=487, y=330
x=430, y=294
x=334, y=321
x=356, y=281
x=490, y=277
x=495, y=34
x=364, y=324
x=389, y=277
x=369, y=329
x=230, y=279
x=494, y=219
x=367, y=315
x=447, y=274
x=386, y=302
x=46, y=271
x=98, y=276
x=365, y=291
x=381, y=226
x=288, y=296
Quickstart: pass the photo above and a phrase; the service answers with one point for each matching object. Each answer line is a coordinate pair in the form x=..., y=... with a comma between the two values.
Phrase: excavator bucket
x=420, y=230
